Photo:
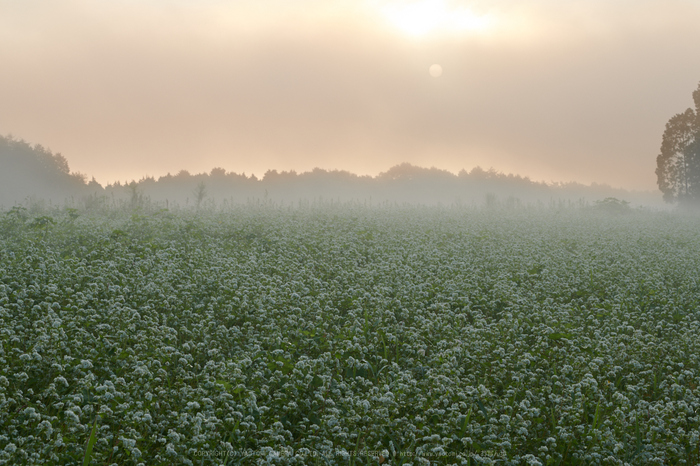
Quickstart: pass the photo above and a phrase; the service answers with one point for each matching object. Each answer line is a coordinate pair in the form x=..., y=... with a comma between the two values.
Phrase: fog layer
x=565, y=91
x=34, y=175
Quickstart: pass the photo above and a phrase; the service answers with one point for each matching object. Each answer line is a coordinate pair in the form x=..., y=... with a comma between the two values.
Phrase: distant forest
x=35, y=174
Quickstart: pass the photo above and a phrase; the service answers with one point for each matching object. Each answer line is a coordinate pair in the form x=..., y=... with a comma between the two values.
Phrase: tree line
x=34, y=172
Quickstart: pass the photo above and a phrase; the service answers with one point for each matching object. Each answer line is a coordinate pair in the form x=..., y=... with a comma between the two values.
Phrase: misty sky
x=558, y=90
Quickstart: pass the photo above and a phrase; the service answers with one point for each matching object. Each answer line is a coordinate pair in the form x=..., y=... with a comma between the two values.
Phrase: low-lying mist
x=35, y=174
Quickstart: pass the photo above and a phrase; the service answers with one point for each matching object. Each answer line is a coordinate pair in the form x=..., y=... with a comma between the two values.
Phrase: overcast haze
x=554, y=90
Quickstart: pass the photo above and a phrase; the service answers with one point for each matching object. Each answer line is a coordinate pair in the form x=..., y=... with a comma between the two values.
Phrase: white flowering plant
x=346, y=334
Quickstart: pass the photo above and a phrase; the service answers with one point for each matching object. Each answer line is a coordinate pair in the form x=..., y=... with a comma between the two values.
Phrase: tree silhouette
x=200, y=193
x=678, y=164
x=27, y=170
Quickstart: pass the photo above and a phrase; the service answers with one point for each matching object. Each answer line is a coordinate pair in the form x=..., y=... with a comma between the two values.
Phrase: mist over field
x=349, y=232
x=349, y=334
x=35, y=174
x=416, y=317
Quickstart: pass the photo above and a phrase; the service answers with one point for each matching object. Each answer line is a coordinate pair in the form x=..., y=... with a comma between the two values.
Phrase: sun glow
x=423, y=17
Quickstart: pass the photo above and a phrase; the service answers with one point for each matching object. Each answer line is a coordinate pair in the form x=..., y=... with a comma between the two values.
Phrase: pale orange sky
x=551, y=89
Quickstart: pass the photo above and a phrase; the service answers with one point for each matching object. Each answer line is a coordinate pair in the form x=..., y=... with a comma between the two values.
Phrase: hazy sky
x=558, y=90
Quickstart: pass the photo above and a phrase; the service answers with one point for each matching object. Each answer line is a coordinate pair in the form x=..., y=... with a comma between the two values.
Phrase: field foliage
x=349, y=335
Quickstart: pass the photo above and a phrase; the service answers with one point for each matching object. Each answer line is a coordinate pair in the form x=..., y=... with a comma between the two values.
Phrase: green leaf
x=90, y=443
x=482, y=408
x=465, y=423
x=596, y=418
x=225, y=384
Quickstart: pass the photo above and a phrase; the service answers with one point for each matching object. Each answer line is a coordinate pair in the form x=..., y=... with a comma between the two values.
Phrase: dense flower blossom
x=351, y=335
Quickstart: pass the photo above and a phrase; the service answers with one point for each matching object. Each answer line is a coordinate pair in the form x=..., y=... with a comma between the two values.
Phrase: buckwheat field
x=349, y=335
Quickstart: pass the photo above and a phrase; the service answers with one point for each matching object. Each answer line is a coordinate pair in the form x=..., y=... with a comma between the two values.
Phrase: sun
x=435, y=70
x=423, y=17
